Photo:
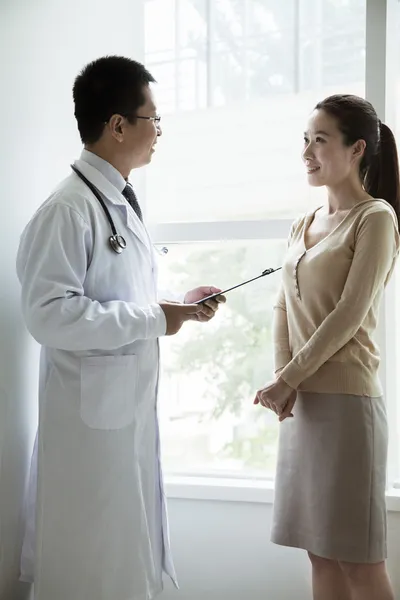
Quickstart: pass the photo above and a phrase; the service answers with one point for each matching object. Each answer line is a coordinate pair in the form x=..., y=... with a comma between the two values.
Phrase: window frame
x=381, y=70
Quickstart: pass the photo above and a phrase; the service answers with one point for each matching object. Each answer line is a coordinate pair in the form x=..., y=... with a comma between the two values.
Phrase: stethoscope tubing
x=117, y=242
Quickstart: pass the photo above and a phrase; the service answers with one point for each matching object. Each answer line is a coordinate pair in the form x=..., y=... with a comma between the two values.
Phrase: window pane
x=176, y=52
x=235, y=88
x=212, y=371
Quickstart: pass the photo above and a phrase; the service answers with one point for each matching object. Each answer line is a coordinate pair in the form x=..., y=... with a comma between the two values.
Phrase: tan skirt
x=331, y=478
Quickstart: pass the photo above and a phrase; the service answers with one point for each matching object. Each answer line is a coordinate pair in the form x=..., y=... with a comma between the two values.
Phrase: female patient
x=330, y=483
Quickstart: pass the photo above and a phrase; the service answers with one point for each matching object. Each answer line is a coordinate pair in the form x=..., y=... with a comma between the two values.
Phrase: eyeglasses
x=156, y=120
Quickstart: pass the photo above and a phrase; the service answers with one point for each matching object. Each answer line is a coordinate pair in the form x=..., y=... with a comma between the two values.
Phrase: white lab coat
x=101, y=523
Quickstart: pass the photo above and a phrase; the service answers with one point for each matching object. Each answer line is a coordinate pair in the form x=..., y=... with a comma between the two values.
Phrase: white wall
x=222, y=552
x=43, y=45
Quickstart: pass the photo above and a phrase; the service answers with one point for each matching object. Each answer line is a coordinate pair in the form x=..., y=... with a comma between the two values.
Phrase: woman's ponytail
x=382, y=179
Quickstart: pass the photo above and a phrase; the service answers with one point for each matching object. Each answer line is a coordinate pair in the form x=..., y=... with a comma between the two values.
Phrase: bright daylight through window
x=236, y=82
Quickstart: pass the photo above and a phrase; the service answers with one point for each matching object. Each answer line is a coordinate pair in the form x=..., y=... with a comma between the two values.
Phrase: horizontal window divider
x=220, y=231
x=239, y=490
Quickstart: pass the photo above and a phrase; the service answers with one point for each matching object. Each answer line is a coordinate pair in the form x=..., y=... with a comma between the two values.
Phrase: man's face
x=140, y=138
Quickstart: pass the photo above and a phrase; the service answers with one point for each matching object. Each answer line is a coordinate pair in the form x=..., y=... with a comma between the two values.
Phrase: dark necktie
x=130, y=195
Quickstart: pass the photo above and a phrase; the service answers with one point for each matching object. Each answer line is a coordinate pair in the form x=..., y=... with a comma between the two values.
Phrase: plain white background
x=221, y=547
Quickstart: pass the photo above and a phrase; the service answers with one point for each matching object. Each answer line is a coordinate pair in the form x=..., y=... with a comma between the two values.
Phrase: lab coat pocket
x=108, y=391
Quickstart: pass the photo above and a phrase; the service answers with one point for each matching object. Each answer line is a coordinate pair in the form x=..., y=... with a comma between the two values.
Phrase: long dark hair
x=379, y=167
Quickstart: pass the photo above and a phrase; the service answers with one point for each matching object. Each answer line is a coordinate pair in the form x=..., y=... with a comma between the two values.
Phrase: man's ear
x=116, y=125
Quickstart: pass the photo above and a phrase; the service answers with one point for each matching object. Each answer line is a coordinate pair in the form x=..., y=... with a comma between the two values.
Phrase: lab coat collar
x=105, y=168
x=112, y=195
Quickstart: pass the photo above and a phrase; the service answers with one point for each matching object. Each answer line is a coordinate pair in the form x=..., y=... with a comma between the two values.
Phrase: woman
x=330, y=482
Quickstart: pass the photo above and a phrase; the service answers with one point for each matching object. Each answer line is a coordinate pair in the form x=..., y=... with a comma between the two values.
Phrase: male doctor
x=97, y=525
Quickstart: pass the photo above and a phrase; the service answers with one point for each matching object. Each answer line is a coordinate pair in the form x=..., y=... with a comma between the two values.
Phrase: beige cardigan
x=326, y=313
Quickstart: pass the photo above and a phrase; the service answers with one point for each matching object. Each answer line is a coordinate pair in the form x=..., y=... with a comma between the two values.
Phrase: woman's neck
x=345, y=195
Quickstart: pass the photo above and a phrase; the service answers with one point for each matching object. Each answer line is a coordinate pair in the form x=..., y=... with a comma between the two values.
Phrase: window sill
x=238, y=490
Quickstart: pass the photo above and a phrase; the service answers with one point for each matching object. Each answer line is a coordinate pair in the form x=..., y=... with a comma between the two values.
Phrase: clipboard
x=263, y=274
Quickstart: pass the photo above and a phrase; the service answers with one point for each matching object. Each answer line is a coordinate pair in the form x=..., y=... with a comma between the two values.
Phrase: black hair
x=379, y=167
x=107, y=86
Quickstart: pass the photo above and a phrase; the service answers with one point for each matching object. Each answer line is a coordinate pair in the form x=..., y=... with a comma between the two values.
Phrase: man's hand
x=208, y=308
x=176, y=314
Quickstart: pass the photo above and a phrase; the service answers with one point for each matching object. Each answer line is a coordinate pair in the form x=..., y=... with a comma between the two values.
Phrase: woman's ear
x=359, y=149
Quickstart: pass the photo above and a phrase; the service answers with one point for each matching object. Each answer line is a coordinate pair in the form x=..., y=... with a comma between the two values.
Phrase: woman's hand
x=277, y=396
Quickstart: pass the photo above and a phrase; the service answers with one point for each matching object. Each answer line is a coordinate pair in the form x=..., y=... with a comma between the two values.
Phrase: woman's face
x=327, y=159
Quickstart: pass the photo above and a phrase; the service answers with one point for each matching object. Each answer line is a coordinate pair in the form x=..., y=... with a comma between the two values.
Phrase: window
x=236, y=134
x=236, y=81
x=211, y=373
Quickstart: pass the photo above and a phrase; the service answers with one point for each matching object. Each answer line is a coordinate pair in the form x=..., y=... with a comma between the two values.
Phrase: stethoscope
x=117, y=242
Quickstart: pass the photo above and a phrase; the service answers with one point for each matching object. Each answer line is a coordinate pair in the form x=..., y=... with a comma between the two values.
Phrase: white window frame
x=382, y=72
x=380, y=77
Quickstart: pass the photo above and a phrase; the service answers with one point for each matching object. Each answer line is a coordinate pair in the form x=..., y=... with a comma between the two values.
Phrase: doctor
x=89, y=297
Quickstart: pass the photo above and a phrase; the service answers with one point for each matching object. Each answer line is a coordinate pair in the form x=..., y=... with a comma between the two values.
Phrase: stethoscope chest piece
x=117, y=243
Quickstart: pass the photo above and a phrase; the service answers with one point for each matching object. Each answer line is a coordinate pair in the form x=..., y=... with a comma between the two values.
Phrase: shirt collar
x=105, y=168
